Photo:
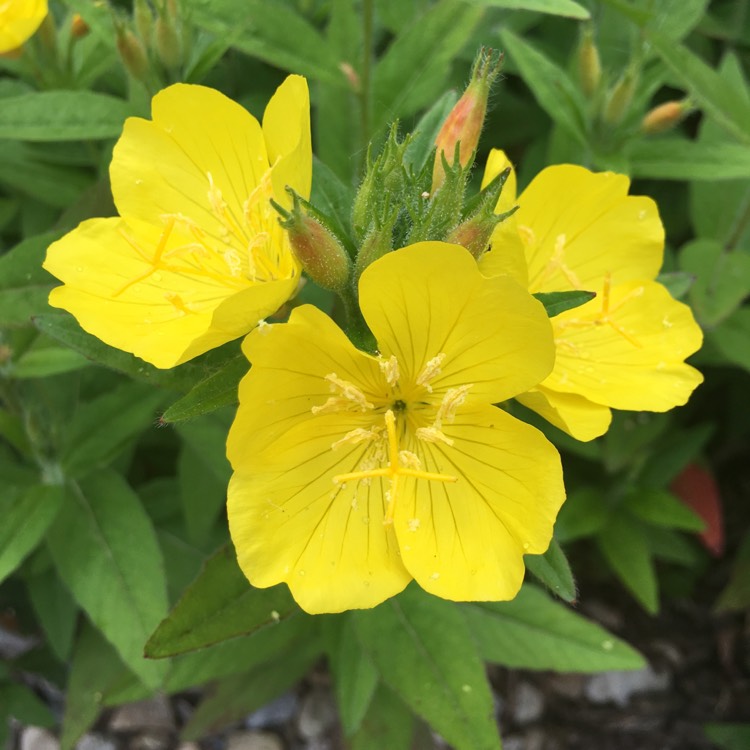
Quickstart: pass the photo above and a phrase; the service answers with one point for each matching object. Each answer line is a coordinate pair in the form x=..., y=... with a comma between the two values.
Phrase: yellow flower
x=198, y=257
x=19, y=19
x=626, y=348
x=355, y=473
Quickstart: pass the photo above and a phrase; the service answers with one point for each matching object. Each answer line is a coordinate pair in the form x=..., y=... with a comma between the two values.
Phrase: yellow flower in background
x=197, y=257
x=354, y=473
x=19, y=19
x=626, y=348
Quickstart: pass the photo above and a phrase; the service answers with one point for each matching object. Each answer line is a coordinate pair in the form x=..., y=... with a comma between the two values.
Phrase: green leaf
x=553, y=570
x=736, y=594
x=729, y=736
x=549, y=84
x=717, y=208
x=624, y=545
x=711, y=91
x=673, y=158
x=62, y=116
x=203, y=494
x=412, y=72
x=387, y=724
x=235, y=697
x=26, y=171
x=355, y=678
x=43, y=362
x=583, y=514
x=674, y=454
x=661, y=508
x=535, y=632
x=103, y=428
x=333, y=198
x=65, y=329
x=272, y=32
x=22, y=704
x=425, y=653
x=56, y=611
x=557, y=302
x=731, y=337
x=722, y=279
x=217, y=390
x=106, y=552
x=207, y=435
x=220, y=604
x=95, y=667
x=566, y=8
x=27, y=514
x=677, y=283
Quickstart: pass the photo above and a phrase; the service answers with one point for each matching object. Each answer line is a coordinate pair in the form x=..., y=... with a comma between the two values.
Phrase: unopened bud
x=463, y=126
x=376, y=245
x=144, y=20
x=47, y=35
x=589, y=64
x=168, y=42
x=665, y=116
x=320, y=253
x=620, y=97
x=133, y=53
x=78, y=27
x=474, y=233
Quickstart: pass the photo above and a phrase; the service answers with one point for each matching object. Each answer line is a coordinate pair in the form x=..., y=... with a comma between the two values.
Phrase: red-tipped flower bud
x=320, y=253
x=463, y=126
x=620, y=97
x=78, y=27
x=665, y=116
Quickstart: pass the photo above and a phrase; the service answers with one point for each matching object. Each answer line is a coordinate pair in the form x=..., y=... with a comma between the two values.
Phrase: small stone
x=93, y=741
x=620, y=687
x=567, y=685
x=254, y=741
x=317, y=715
x=527, y=703
x=150, y=741
x=155, y=713
x=276, y=713
x=36, y=738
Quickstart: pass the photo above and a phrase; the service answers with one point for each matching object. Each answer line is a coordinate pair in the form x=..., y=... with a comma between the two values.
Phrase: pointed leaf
x=566, y=8
x=425, y=653
x=220, y=604
x=558, y=302
x=387, y=724
x=535, y=632
x=553, y=570
x=106, y=552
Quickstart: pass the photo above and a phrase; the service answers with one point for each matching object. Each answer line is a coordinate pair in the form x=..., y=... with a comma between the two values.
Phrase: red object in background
x=697, y=488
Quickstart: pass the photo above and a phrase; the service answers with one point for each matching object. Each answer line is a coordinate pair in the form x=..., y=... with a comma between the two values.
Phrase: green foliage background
x=113, y=474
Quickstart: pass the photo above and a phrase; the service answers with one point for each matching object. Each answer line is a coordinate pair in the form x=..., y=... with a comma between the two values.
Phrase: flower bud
x=144, y=20
x=620, y=97
x=463, y=126
x=474, y=233
x=320, y=253
x=78, y=27
x=377, y=243
x=133, y=53
x=589, y=64
x=168, y=43
x=665, y=116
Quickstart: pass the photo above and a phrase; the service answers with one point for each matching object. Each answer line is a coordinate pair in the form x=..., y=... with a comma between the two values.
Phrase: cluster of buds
x=404, y=199
x=613, y=105
x=152, y=44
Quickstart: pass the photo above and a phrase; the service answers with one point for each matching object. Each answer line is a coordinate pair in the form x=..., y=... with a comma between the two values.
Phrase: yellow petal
x=288, y=519
x=632, y=356
x=507, y=255
x=199, y=142
x=582, y=419
x=497, y=161
x=579, y=225
x=466, y=540
x=165, y=313
x=286, y=128
x=430, y=299
x=19, y=19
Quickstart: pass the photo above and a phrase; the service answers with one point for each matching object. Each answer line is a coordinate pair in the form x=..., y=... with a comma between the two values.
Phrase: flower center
x=230, y=251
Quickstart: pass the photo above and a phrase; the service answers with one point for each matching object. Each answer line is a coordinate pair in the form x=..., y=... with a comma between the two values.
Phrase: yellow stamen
x=430, y=371
x=393, y=471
